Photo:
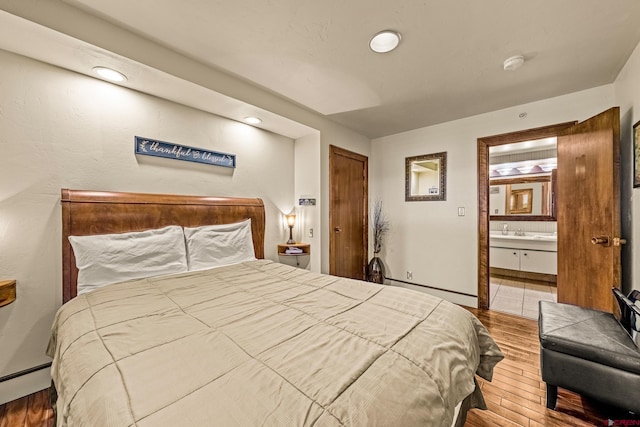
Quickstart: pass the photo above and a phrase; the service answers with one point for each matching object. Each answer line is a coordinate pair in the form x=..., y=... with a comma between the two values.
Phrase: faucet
x=505, y=229
x=519, y=232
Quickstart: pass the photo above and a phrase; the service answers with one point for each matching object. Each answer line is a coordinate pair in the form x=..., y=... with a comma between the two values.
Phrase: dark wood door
x=588, y=209
x=348, y=225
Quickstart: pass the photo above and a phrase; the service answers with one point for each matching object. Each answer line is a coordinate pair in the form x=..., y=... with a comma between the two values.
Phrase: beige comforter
x=264, y=344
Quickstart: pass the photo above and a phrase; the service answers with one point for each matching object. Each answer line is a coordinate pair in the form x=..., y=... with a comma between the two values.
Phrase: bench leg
x=552, y=396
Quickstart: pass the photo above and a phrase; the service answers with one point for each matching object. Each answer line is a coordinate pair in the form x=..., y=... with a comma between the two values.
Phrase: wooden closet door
x=348, y=213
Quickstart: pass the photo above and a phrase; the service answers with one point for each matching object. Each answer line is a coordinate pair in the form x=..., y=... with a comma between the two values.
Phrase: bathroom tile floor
x=518, y=296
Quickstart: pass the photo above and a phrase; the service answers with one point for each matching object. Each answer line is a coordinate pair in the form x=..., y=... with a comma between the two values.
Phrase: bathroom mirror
x=426, y=177
x=522, y=199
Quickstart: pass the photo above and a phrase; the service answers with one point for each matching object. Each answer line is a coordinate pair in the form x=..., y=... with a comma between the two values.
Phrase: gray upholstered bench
x=588, y=352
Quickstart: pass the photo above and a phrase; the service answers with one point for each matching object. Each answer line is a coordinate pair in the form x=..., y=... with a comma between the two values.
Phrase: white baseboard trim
x=25, y=385
x=453, y=297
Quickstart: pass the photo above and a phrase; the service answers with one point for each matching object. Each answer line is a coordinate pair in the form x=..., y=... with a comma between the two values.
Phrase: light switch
x=460, y=211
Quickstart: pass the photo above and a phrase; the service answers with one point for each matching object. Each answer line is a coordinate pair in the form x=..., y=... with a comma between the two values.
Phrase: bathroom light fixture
x=291, y=221
x=514, y=171
x=536, y=169
x=110, y=74
x=513, y=63
x=252, y=120
x=385, y=41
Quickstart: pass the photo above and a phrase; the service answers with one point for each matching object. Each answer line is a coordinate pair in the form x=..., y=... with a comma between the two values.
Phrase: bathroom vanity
x=529, y=255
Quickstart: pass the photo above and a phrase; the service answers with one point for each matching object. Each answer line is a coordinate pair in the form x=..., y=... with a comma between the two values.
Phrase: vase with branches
x=380, y=225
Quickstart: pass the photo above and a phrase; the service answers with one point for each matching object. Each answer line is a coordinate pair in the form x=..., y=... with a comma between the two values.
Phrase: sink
x=506, y=236
x=551, y=237
x=530, y=241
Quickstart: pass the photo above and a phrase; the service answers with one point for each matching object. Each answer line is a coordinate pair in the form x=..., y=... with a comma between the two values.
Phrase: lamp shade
x=291, y=220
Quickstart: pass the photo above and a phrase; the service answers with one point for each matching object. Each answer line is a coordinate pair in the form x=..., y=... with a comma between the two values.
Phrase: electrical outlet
x=409, y=275
x=311, y=233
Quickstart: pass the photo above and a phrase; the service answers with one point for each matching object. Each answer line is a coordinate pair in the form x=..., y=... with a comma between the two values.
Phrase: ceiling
x=449, y=64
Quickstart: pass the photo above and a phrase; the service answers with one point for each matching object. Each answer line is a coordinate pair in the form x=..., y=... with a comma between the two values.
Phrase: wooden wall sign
x=155, y=148
x=7, y=292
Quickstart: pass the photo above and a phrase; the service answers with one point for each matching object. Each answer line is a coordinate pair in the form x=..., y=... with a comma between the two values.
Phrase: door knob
x=337, y=229
x=600, y=240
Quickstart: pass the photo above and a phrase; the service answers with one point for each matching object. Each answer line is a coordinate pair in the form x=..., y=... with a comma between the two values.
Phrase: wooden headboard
x=102, y=212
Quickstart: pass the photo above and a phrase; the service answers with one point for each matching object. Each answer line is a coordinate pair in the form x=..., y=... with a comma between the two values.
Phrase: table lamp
x=291, y=221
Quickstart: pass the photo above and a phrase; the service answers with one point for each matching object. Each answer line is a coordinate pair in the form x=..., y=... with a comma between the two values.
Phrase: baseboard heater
x=24, y=372
x=431, y=287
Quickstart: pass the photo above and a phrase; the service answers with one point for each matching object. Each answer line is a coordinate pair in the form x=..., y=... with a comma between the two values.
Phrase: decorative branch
x=380, y=226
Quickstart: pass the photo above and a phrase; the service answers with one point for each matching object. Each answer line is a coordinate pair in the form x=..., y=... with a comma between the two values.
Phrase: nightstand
x=304, y=247
x=7, y=292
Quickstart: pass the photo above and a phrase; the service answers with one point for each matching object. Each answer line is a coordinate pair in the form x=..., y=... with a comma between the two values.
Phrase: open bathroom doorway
x=517, y=220
x=589, y=222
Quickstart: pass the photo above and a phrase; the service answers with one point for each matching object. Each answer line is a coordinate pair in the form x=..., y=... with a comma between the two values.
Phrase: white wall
x=59, y=129
x=308, y=177
x=429, y=238
x=627, y=97
x=66, y=19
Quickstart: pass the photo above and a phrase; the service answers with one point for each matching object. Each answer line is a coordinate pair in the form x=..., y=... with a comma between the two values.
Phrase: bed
x=253, y=342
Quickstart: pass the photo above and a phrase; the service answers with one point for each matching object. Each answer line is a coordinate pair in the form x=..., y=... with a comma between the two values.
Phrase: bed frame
x=103, y=212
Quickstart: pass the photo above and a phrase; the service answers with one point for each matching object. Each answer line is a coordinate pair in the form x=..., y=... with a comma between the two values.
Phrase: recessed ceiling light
x=252, y=120
x=110, y=74
x=385, y=41
x=513, y=63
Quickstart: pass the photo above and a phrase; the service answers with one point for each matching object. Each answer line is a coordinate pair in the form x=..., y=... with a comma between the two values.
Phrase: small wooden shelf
x=7, y=292
x=306, y=249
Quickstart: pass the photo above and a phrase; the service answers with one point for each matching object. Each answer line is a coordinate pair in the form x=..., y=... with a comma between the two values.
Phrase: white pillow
x=109, y=258
x=217, y=245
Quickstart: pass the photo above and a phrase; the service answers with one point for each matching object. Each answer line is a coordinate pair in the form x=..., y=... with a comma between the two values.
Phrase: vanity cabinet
x=519, y=255
x=505, y=258
x=539, y=261
x=524, y=260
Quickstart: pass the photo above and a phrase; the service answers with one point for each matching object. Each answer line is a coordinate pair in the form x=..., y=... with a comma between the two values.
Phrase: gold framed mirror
x=426, y=177
x=519, y=201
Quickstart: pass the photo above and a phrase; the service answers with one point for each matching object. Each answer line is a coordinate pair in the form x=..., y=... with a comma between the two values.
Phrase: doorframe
x=484, y=144
x=333, y=150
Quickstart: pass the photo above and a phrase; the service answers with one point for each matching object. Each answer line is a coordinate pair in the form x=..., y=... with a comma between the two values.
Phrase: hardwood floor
x=517, y=394
x=29, y=411
x=515, y=397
